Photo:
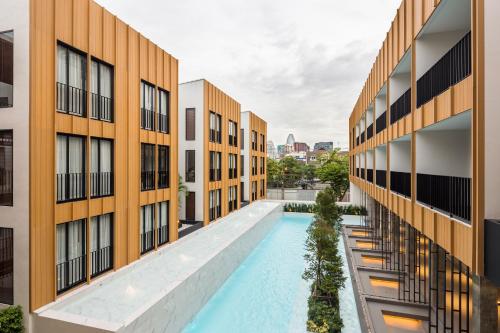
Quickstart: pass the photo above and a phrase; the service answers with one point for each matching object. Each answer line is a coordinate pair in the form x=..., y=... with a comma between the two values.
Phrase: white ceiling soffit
x=456, y=123
x=451, y=15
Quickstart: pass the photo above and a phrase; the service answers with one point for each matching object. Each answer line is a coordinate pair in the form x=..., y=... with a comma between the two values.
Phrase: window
x=147, y=228
x=163, y=218
x=190, y=124
x=214, y=199
x=215, y=127
x=262, y=142
x=147, y=167
x=254, y=190
x=242, y=191
x=233, y=136
x=71, y=266
x=163, y=166
x=71, y=81
x=147, y=106
x=190, y=166
x=233, y=166
x=71, y=180
x=6, y=168
x=233, y=198
x=101, y=91
x=6, y=69
x=101, y=244
x=254, y=165
x=262, y=188
x=101, y=168
x=7, y=265
x=242, y=141
x=262, y=165
x=242, y=165
x=215, y=166
x=254, y=140
x=164, y=115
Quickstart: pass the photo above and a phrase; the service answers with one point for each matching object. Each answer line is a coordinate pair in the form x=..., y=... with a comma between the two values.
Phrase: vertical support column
x=484, y=305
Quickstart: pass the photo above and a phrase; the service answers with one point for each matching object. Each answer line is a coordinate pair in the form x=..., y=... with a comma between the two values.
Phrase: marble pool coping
x=164, y=289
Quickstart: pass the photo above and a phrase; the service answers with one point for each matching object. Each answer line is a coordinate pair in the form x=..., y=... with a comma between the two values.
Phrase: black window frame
x=67, y=175
x=98, y=96
x=6, y=68
x=7, y=265
x=163, y=170
x=100, y=251
x=190, y=175
x=163, y=119
x=147, y=176
x=6, y=173
x=147, y=116
x=111, y=175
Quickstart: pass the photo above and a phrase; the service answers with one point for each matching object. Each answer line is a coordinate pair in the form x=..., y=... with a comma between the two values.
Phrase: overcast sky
x=299, y=64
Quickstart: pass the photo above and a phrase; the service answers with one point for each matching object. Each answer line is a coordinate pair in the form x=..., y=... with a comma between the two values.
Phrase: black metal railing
x=147, y=241
x=233, y=173
x=215, y=174
x=401, y=107
x=401, y=183
x=163, y=179
x=233, y=140
x=147, y=119
x=452, y=68
x=71, y=186
x=70, y=273
x=369, y=132
x=101, y=184
x=163, y=123
x=6, y=187
x=215, y=136
x=101, y=260
x=448, y=194
x=163, y=234
x=357, y=172
x=369, y=175
x=147, y=180
x=363, y=173
x=381, y=122
x=71, y=100
x=101, y=107
x=363, y=137
x=357, y=141
x=380, y=178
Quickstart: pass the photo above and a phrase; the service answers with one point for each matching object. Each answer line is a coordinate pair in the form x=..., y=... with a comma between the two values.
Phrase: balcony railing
x=363, y=173
x=380, y=178
x=215, y=175
x=381, y=122
x=147, y=241
x=101, y=184
x=357, y=172
x=233, y=173
x=101, y=107
x=401, y=107
x=451, y=195
x=363, y=137
x=147, y=180
x=163, y=123
x=369, y=132
x=214, y=213
x=71, y=100
x=6, y=187
x=101, y=260
x=163, y=179
x=369, y=175
x=357, y=141
x=70, y=273
x=70, y=186
x=233, y=140
x=401, y=183
x=452, y=68
x=215, y=136
x=147, y=119
x=163, y=235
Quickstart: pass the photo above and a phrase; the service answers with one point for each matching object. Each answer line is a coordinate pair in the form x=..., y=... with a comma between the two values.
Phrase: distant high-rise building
x=300, y=147
x=280, y=149
x=328, y=145
x=271, y=150
x=290, y=140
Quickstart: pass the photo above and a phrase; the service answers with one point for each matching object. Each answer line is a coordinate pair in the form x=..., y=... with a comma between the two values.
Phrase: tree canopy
x=334, y=170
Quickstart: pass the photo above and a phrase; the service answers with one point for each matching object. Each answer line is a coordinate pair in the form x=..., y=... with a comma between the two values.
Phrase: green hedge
x=11, y=320
x=298, y=208
x=353, y=210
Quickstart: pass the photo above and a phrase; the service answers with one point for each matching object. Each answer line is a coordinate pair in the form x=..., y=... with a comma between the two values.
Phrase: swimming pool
x=266, y=293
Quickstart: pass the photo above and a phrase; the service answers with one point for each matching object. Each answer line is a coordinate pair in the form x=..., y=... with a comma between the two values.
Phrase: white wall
x=14, y=15
x=362, y=160
x=444, y=153
x=399, y=84
x=369, y=117
x=381, y=158
x=369, y=159
x=355, y=195
x=400, y=157
x=245, y=125
x=491, y=114
x=380, y=105
x=191, y=96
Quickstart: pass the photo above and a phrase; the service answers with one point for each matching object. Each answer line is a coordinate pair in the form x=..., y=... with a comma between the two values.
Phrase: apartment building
x=88, y=148
x=209, y=146
x=253, y=157
x=424, y=145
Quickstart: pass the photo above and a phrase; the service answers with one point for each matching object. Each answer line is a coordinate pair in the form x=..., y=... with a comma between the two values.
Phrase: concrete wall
x=380, y=105
x=355, y=194
x=381, y=158
x=369, y=159
x=14, y=15
x=399, y=84
x=400, y=157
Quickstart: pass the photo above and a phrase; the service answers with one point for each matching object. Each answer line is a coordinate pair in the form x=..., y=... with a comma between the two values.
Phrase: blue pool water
x=266, y=293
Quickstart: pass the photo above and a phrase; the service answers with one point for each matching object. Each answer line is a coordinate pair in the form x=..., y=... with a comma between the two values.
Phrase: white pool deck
x=114, y=302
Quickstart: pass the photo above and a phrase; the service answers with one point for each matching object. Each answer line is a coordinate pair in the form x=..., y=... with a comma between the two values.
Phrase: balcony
x=363, y=137
x=401, y=107
x=401, y=183
x=163, y=123
x=381, y=122
x=451, y=195
x=101, y=260
x=369, y=132
x=71, y=186
x=163, y=179
x=381, y=178
x=147, y=180
x=71, y=273
x=369, y=175
x=147, y=119
x=101, y=107
x=101, y=184
x=71, y=100
x=362, y=173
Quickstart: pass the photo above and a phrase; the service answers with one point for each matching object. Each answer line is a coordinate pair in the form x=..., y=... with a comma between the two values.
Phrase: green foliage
x=11, y=320
x=334, y=170
x=353, y=210
x=298, y=208
x=326, y=207
x=288, y=173
x=322, y=317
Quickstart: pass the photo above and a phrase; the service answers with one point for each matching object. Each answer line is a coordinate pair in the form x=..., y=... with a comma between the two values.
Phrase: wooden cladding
x=258, y=126
x=96, y=33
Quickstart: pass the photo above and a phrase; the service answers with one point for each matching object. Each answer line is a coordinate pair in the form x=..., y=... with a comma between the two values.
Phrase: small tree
x=309, y=172
x=326, y=207
x=334, y=170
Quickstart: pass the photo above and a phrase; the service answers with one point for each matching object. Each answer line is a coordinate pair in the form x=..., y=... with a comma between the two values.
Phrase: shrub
x=323, y=318
x=11, y=320
x=298, y=208
x=353, y=210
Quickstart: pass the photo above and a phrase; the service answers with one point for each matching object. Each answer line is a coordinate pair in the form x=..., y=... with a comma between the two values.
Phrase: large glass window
x=101, y=168
x=190, y=124
x=71, y=267
x=233, y=166
x=163, y=166
x=147, y=228
x=71, y=81
x=254, y=190
x=215, y=133
x=262, y=165
x=164, y=114
x=101, y=244
x=163, y=218
x=6, y=69
x=147, y=167
x=254, y=165
x=233, y=133
x=70, y=168
x=215, y=166
x=190, y=166
x=214, y=199
x=233, y=197
x=254, y=140
x=6, y=168
x=147, y=106
x=7, y=265
x=101, y=91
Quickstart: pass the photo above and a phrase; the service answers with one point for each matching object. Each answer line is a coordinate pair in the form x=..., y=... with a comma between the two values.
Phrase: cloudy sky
x=299, y=64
